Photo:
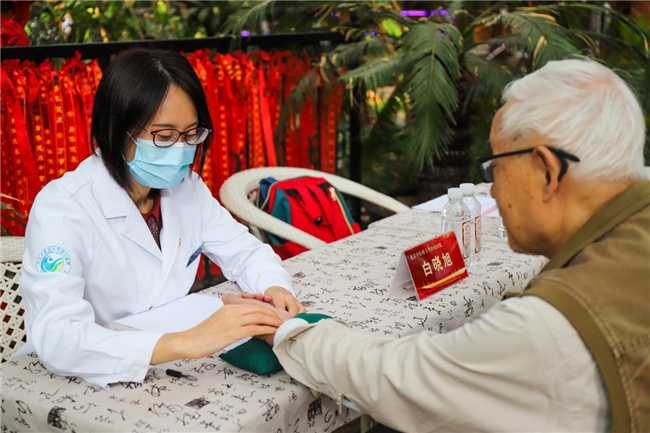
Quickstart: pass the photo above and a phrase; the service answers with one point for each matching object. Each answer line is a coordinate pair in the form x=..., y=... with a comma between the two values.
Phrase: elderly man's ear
x=551, y=167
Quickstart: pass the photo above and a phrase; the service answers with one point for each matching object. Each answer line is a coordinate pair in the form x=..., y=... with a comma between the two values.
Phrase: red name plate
x=432, y=265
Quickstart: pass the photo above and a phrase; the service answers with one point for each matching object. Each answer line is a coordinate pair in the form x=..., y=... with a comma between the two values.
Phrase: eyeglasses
x=486, y=170
x=167, y=137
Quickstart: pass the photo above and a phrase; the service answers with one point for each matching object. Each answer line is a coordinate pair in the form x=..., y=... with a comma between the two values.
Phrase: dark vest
x=600, y=281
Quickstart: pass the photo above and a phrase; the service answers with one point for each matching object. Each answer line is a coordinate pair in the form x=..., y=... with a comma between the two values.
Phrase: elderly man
x=572, y=353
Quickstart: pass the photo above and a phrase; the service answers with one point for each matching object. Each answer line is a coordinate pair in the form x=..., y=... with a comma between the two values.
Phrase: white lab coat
x=113, y=268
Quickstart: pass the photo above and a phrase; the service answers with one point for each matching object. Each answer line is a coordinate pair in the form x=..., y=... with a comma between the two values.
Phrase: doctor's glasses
x=167, y=137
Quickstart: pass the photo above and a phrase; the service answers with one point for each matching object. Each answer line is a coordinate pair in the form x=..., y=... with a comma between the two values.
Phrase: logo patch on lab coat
x=53, y=259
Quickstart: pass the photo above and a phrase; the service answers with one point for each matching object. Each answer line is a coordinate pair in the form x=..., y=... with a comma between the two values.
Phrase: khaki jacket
x=600, y=280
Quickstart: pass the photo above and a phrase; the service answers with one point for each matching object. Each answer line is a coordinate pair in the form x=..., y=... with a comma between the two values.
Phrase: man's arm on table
x=502, y=371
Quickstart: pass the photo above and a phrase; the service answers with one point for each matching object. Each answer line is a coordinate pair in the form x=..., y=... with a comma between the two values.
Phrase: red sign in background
x=435, y=264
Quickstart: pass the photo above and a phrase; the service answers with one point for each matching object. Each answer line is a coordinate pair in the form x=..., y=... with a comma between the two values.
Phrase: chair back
x=12, y=331
x=234, y=197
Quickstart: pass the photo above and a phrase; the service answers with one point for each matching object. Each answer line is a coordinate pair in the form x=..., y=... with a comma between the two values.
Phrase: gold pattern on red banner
x=20, y=176
x=256, y=141
x=199, y=64
x=221, y=133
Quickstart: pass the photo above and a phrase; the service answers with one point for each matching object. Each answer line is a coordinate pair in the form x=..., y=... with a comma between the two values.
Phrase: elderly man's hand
x=267, y=338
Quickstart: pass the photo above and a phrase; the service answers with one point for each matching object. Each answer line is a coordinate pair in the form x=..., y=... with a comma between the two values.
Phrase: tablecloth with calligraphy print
x=349, y=279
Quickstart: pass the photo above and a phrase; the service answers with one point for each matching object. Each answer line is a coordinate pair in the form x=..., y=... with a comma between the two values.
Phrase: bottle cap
x=454, y=193
x=467, y=188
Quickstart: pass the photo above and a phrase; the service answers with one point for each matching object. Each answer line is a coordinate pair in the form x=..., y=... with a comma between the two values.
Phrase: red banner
x=46, y=119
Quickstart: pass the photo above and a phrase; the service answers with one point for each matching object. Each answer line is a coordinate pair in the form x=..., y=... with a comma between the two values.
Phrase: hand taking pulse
x=284, y=300
x=258, y=300
x=229, y=324
x=275, y=295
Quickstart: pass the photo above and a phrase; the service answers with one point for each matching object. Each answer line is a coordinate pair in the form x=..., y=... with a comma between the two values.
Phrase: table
x=349, y=279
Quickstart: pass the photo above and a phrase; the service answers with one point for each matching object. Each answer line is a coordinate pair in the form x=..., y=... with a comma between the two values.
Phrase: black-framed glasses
x=485, y=167
x=168, y=137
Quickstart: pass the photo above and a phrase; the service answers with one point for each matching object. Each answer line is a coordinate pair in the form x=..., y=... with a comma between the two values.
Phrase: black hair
x=128, y=97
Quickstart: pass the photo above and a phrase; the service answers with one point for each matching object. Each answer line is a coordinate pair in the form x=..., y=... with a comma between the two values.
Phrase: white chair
x=234, y=197
x=12, y=329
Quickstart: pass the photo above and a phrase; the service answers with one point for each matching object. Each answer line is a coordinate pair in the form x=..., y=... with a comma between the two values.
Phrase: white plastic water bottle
x=501, y=231
x=456, y=218
x=476, y=226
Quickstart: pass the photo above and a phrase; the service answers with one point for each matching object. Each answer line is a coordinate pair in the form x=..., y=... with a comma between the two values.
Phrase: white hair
x=584, y=108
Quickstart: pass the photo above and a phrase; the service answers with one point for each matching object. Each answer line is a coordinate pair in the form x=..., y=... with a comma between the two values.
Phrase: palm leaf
x=383, y=131
x=249, y=17
x=544, y=39
x=639, y=79
x=431, y=52
x=485, y=15
x=615, y=15
x=369, y=15
x=490, y=78
x=11, y=213
x=2, y=195
x=12, y=218
x=9, y=208
x=370, y=75
x=353, y=53
x=292, y=13
x=622, y=47
x=379, y=72
x=305, y=88
x=512, y=43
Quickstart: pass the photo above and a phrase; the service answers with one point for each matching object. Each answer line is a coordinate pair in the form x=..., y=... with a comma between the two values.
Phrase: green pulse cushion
x=257, y=356
x=312, y=317
x=254, y=355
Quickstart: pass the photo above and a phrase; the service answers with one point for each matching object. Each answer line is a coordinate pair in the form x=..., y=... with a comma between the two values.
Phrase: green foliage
x=431, y=56
x=453, y=65
x=439, y=73
x=9, y=212
x=76, y=21
x=265, y=16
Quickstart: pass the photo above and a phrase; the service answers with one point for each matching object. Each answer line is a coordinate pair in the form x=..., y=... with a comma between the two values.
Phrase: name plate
x=430, y=266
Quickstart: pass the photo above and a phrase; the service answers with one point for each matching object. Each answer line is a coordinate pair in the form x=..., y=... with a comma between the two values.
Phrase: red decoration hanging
x=46, y=115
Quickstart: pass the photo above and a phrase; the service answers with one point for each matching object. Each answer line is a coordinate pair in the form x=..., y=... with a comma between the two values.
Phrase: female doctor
x=123, y=233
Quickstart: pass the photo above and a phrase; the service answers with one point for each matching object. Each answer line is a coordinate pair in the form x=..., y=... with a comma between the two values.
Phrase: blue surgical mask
x=161, y=167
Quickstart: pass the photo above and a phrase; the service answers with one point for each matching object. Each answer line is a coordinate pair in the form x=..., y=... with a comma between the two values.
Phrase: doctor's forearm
x=191, y=344
x=229, y=324
x=168, y=348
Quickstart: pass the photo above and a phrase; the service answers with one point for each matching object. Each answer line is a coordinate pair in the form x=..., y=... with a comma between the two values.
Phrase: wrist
x=275, y=289
x=170, y=347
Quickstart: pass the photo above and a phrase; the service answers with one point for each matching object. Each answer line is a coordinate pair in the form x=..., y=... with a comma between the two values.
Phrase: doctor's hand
x=284, y=300
x=229, y=324
x=236, y=298
x=255, y=299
